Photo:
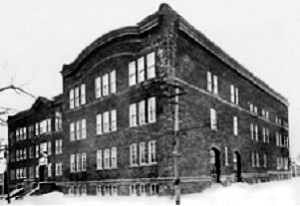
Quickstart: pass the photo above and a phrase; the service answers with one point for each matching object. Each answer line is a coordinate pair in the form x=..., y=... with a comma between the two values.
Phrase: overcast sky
x=38, y=37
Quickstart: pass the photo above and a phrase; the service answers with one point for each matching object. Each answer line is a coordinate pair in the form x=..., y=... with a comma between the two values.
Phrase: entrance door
x=237, y=166
x=215, y=166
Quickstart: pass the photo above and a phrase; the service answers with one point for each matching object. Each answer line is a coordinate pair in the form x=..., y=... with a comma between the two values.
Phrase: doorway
x=215, y=164
x=237, y=166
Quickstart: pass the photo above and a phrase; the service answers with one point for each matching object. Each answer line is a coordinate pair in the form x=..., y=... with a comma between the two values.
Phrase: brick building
x=119, y=104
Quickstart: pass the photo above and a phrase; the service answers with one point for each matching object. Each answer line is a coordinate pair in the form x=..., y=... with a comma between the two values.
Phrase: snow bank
x=283, y=193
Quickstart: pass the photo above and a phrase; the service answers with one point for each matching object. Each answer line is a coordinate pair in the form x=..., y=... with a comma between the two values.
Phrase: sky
x=38, y=37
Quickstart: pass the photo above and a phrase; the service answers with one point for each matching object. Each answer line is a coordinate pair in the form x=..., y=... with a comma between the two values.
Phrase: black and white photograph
x=150, y=102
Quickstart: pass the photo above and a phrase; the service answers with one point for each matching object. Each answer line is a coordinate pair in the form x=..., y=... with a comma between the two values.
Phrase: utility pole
x=176, y=148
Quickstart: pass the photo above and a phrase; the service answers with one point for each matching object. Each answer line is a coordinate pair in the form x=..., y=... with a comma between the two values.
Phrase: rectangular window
x=71, y=95
x=213, y=119
x=106, y=159
x=112, y=81
x=99, y=159
x=142, y=112
x=72, y=163
x=49, y=149
x=113, y=116
x=37, y=129
x=215, y=81
x=99, y=124
x=251, y=131
x=82, y=92
x=114, y=157
x=72, y=131
x=105, y=122
x=83, y=161
x=209, y=81
x=132, y=115
x=83, y=129
x=133, y=154
x=263, y=131
x=257, y=160
x=151, y=110
x=256, y=132
x=58, y=169
x=226, y=156
x=151, y=65
x=105, y=84
x=37, y=175
x=37, y=151
x=77, y=97
x=78, y=162
x=253, y=159
x=132, y=73
x=78, y=130
x=236, y=95
x=98, y=87
x=267, y=135
x=152, y=151
x=49, y=170
x=141, y=69
x=235, y=126
x=232, y=91
x=143, y=156
x=58, y=121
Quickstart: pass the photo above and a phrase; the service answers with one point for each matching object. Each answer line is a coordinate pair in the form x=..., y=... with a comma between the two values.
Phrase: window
x=133, y=154
x=82, y=92
x=99, y=124
x=142, y=112
x=215, y=84
x=132, y=73
x=49, y=149
x=78, y=131
x=77, y=97
x=37, y=154
x=209, y=81
x=152, y=151
x=113, y=116
x=112, y=81
x=37, y=129
x=106, y=159
x=58, y=121
x=143, y=156
x=72, y=131
x=267, y=135
x=98, y=87
x=132, y=115
x=151, y=65
x=234, y=94
x=37, y=175
x=263, y=131
x=235, y=126
x=72, y=163
x=256, y=132
x=105, y=122
x=226, y=156
x=71, y=95
x=58, y=169
x=99, y=159
x=58, y=146
x=151, y=110
x=252, y=131
x=105, y=84
x=114, y=157
x=141, y=69
x=213, y=119
x=257, y=160
x=253, y=159
x=83, y=129
x=83, y=161
x=49, y=170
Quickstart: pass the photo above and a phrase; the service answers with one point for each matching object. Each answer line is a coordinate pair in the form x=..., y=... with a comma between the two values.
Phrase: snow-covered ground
x=283, y=193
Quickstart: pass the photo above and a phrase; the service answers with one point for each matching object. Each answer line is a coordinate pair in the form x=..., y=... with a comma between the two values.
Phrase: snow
x=283, y=193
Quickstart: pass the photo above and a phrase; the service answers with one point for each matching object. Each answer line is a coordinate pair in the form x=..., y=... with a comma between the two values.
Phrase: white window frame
x=150, y=58
x=105, y=85
x=99, y=163
x=226, y=156
x=132, y=115
x=152, y=152
x=152, y=110
x=209, y=81
x=78, y=130
x=133, y=155
x=113, y=157
x=113, y=119
x=78, y=162
x=235, y=125
x=215, y=84
x=113, y=86
x=98, y=87
x=106, y=159
x=213, y=119
x=83, y=161
x=106, y=122
x=141, y=69
x=132, y=73
x=142, y=115
x=82, y=94
x=99, y=124
x=83, y=129
x=77, y=97
x=71, y=99
x=143, y=154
